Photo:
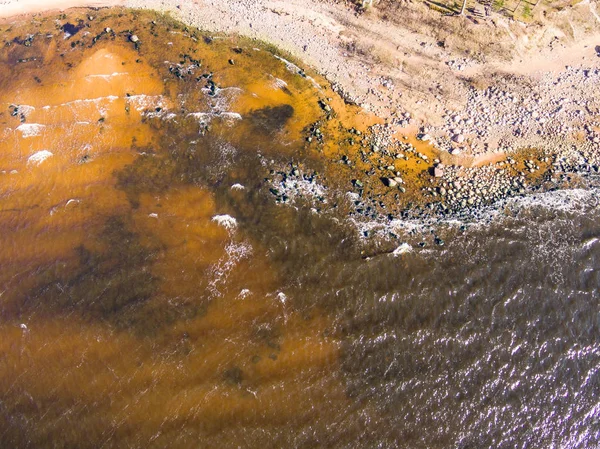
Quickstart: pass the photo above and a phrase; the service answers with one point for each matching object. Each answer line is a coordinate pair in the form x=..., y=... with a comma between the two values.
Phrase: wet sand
x=152, y=313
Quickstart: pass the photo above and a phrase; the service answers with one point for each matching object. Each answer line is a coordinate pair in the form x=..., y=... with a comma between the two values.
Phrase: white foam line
x=25, y=109
x=234, y=252
x=110, y=98
x=300, y=188
x=39, y=157
x=402, y=249
x=565, y=201
x=107, y=76
x=205, y=118
x=227, y=221
x=279, y=83
x=142, y=102
x=30, y=129
x=293, y=68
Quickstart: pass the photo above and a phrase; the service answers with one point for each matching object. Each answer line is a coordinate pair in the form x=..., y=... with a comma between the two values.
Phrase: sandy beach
x=10, y=8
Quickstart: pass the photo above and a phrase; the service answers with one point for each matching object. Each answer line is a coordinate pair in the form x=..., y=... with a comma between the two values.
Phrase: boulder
x=390, y=182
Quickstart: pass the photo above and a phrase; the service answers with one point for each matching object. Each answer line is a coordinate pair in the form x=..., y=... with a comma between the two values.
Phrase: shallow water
x=155, y=292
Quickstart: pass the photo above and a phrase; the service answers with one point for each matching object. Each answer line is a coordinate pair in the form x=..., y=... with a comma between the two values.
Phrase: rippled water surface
x=178, y=268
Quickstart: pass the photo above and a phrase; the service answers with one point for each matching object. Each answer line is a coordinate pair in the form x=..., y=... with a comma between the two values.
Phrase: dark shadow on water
x=270, y=119
x=109, y=285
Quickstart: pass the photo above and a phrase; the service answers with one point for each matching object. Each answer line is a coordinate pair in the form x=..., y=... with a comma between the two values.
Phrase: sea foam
x=39, y=157
x=30, y=129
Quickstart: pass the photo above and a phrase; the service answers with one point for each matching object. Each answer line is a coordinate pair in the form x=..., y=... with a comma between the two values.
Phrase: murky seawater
x=177, y=268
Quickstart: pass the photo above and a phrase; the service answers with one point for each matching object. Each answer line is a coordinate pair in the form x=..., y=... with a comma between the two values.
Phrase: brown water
x=158, y=290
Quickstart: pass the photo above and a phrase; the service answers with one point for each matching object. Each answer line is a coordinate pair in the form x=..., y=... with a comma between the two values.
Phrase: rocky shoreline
x=484, y=132
x=496, y=133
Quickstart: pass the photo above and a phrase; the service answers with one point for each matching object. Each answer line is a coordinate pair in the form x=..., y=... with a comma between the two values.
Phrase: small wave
x=108, y=76
x=30, y=129
x=293, y=68
x=234, y=253
x=237, y=187
x=222, y=97
x=564, y=201
x=296, y=188
x=164, y=115
x=282, y=297
x=85, y=101
x=402, y=249
x=230, y=115
x=143, y=102
x=109, y=98
x=590, y=242
x=227, y=221
x=25, y=109
x=204, y=118
x=279, y=83
x=39, y=157
x=244, y=293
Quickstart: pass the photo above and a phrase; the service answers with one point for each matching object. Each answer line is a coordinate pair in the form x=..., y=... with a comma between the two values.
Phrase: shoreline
x=489, y=132
x=387, y=69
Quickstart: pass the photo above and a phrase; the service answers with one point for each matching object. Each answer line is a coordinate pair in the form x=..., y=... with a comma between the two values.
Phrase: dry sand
x=10, y=8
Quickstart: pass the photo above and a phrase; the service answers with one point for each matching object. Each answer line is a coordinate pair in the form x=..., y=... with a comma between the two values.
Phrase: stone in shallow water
x=390, y=182
x=271, y=118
